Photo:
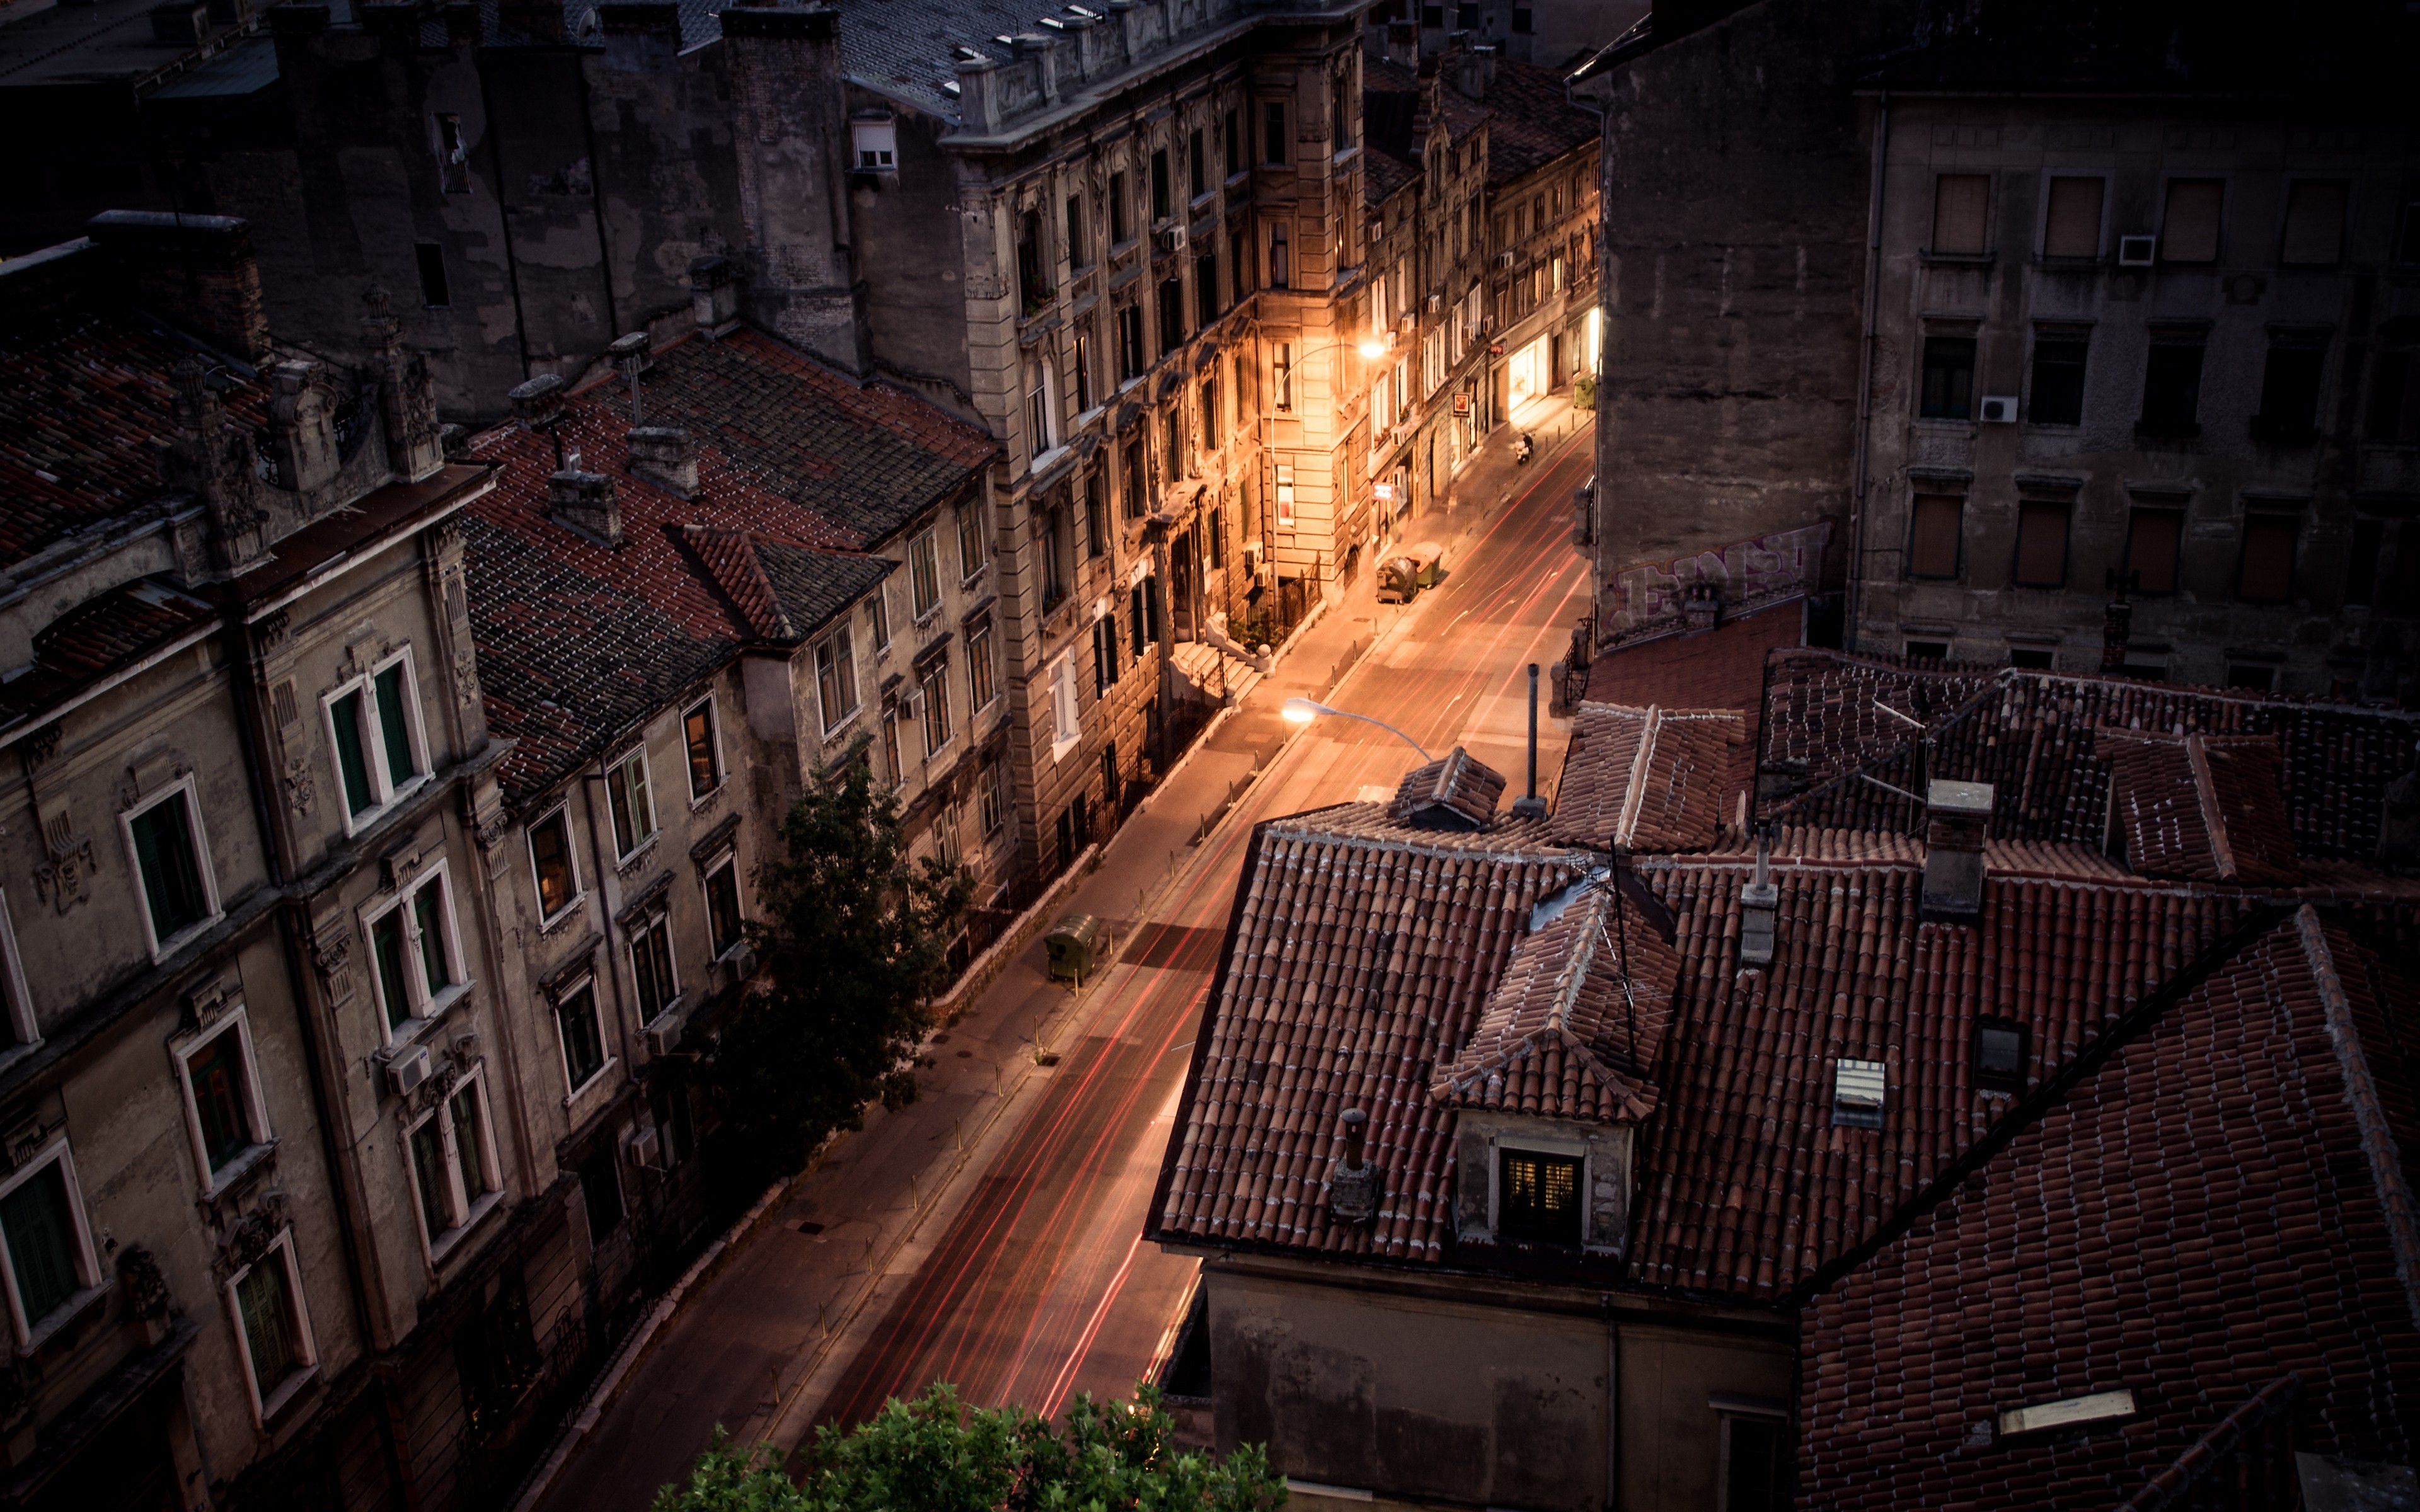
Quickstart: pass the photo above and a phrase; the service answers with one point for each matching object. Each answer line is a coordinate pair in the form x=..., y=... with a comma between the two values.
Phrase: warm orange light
x=1372, y=350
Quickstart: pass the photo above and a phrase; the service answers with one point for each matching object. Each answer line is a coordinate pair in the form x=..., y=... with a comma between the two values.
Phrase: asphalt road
x=1041, y=1285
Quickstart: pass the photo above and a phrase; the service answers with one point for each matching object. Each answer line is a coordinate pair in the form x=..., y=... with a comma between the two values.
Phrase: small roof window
x=2000, y=1046
x=2072, y=1411
x=1858, y=1090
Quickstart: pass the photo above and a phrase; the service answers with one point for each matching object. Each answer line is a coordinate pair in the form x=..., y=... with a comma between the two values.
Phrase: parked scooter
x=1524, y=448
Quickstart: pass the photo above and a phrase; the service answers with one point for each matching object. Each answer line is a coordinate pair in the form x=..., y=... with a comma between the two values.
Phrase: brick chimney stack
x=586, y=503
x=196, y=271
x=1957, y=816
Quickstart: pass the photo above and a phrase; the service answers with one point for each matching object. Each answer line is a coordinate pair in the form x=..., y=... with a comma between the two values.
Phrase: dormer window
x=2000, y=1055
x=1538, y=1197
x=874, y=146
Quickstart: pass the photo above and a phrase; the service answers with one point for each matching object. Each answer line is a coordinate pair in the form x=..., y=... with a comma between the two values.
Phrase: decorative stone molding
x=65, y=878
x=139, y=1280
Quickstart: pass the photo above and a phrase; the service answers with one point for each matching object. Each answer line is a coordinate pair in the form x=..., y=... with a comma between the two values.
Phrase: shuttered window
x=1960, y=203
x=2073, y=225
x=2315, y=217
x=2266, y=575
x=2189, y=231
x=2151, y=538
x=1932, y=537
x=2041, y=543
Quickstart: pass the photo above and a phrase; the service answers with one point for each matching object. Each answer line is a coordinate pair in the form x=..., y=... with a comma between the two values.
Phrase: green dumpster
x=1078, y=945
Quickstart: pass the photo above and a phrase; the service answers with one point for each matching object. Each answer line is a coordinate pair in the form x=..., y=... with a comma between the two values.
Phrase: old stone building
x=2018, y=350
x=1546, y=328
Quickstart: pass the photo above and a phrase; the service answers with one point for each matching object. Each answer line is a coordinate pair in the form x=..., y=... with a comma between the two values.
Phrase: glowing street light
x=1303, y=711
x=1372, y=349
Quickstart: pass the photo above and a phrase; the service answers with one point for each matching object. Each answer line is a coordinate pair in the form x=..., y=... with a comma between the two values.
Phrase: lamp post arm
x=1383, y=725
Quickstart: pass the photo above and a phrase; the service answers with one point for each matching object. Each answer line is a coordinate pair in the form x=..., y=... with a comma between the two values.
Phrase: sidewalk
x=761, y=1335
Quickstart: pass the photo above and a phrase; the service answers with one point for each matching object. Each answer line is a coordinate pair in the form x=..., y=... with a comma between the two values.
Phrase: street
x=988, y=1235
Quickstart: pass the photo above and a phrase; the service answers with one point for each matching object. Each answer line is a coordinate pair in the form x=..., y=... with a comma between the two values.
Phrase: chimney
x=416, y=444
x=196, y=271
x=714, y=294
x=628, y=354
x=1353, y=1185
x=978, y=97
x=1531, y=806
x=640, y=35
x=1702, y=605
x=585, y=504
x=1957, y=815
x=538, y=406
x=1759, y=902
x=220, y=475
x=665, y=456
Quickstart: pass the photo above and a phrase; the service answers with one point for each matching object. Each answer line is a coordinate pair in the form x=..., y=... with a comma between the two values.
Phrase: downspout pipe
x=1859, y=484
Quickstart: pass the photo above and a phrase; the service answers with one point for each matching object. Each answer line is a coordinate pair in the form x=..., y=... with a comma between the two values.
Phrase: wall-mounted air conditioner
x=644, y=1147
x=1998, y=410
x=665, y=1034
x=408, y=1069
x=2137, y=251
x=1171, y=240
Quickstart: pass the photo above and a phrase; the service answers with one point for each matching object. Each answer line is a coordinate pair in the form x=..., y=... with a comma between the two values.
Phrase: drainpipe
x=1865, y=379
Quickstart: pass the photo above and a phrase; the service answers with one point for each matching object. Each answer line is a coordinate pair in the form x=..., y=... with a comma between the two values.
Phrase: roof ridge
x=2361, y=1094
x=1625, y=823
x=2206, y=796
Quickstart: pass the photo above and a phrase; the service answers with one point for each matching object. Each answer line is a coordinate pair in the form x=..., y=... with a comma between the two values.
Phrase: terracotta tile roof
x=783, y=591
x=2206, y=807
x=113, y=629
x=1456, y=790
x=1650, y=779
x=1721, y=669
x=2220, y=1201
x=1575, y=1021
x=1533, y=123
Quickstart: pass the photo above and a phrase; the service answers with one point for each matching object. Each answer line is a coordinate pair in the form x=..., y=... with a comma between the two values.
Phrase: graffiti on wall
x=1661, y=598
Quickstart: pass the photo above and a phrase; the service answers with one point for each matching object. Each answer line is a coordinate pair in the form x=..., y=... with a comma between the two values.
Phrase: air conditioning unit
x=1999, y=409
x=408, y=1069
x=644, y=1147
x=1504, y=259
x=1171, y=239
x=740, y=963
x=2137, y=251
x=665, y=1034
x=1437, y=304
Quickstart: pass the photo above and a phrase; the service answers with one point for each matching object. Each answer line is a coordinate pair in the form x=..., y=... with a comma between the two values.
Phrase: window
x=2314, y=219
x=878, y=617
x=1066, y=729
x=2058, y=379
x=1196, y=165
x=552, y=863
x=1239, y=257
x=600, y=1190
x=431, y=260
x=1138, y=490
x=1119, y=232
x=1032, y=278
x=1112, y=788
x=1949, y=378
x=1171, y=440
x=275, y=1326
x=891, y=742
x=1041, y=436
x=1104, y=654
x=453, y=155
x=454, y=1162
x=1210, y=414
x=17, y=1020
x=2041, y=543
x=2189, y=231
x=925, y=573
x=2071, y=220
x=2151, y=539
x=1961, y=206
x=1283, y=372
x=1285, y=492
x=697, y=733
x=874, y=146
x=1752, y=1477
x=2290, y=390
x=1171, y=313
x=223, y=1107
x=2172, y=387
x=632, y=802
x=50, y=1250
x=1859, y=1091
x=2000, y=1053
x=981, y=683
x=1138, y=617
x=990, y=806
x=2266, y=575
x=374, y=730
x=171, y=853
x=415, y=959
x=1131, y=364
x=1232, y=141
x=583, y=1039
x=1050, y=542
x=1933, y=535
x=1538, y=1197
x=669, y=1101
x=651, y=964
x=2361, y=574
x=1097, y=514
x=836, y=678
x=1273, y=132
x=1083, y=360
x=2253, y=676
x=971, y=552
x=724, y=924
x=1280, y=274
x=934, y=693
x=1205, y=284
x=2028, y=659
x=1160, y=200
x=1078, y=254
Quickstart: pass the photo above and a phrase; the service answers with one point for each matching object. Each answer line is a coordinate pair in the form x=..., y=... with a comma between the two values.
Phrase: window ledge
x=842, y=728
x=226, y=1179
x=447, y=1243
x=369, y=819
x=703, y=798
x=598, y=1079
x=627, y=863
x=1047, y=456
x=287, y=1391
x=2146, y=431
x=64, y=1315
x=413, y=1030
x=186, y=937
x=572, y=910
x=16, y=1052
x=1957, y=259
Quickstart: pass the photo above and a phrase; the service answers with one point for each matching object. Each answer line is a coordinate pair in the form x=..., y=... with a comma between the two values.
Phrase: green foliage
x=853, y=939
x=937, y=1454
x=1584, y=392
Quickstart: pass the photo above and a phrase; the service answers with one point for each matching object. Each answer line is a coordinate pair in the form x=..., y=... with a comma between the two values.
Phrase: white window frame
x=265, y=1408
x=21, y=1022
x=1040, y=416
x=32, y=1332
x=470, y=1208
x=970, y=563
x=1066, y=726
x=570, y=854
x=658, y=917
x=647, y=785
x=878, y=614
x=713, y=740
x=187, y=788
x=833, y=722
x=555, y=1002
x=725, y=860
x=877, y=139
x=239, y=1024
x=385, y=794
x=925, y=548
x=426, y=1009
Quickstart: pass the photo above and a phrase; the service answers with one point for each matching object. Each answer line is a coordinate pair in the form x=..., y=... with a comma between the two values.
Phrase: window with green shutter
x=41, y=1239
x=265, y=1297
x=172, y=876
x=394, y=730
x=352, y=761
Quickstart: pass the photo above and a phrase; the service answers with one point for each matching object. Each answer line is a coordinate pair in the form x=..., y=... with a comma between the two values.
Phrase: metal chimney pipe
x=1354, y=1122
x=1531, y=805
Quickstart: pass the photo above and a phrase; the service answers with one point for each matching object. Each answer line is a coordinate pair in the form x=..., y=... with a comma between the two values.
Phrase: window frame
x=727, y=862
x=583, y=981
x=652, y=920
x=385, y=793
x=2130, y=570
x=923, y=569
x=880, y=139
x=1999, y=1081
x=1500, y=1150
x=562, y=809
x=932, y=705
x=2066, y=508
x=714, y=750
x=638, y=754
x=21, y=1021
x=2270, y=517
x=2294, y=188
x=982, y=684
x=428, y=1008
x=440, y=1246
x=834, y=659
x=1958, y=536
x=186, y=789
x=2050, y=180
x=265, y=1407
x=1982, y=247
x=256, y=1108
x=31, y=1332
x=2168, y=187
x=974, y=552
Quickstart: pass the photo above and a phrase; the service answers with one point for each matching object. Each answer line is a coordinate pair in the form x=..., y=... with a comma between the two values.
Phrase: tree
x=937, y=1454
x=854, y=940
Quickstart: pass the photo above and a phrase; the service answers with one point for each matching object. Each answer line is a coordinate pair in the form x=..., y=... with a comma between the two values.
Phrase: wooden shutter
x=1960, y=203
x=2315, y=216
x=2268, y=573
x=2072, y=226
x=2041, y=543
x=2189, y=231
x=1932, y=537
x=2151, y=549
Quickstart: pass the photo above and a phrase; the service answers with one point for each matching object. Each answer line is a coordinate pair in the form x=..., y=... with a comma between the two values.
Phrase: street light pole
x=1303, y=711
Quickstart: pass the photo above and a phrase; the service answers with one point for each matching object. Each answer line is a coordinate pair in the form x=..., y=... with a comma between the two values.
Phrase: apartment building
x=1542, y=201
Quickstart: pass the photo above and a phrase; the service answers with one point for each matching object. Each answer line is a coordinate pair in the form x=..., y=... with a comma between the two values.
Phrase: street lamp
x=1303, y=711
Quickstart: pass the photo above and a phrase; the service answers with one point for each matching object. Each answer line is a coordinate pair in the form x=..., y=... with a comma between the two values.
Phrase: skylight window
x=2000, y=1055
x=2073, y=1412
x=1859, y=1090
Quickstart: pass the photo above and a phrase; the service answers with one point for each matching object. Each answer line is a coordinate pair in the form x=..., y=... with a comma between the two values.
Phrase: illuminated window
x=1538, y=1197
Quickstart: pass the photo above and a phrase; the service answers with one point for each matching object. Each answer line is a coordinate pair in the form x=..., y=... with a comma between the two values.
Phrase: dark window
x=1159, y=211
x=1232, y=140
x=1281, y=266
x=651, y=966
x=2390, y=385
x=1538, y=1197
x=1104, y=654
x=2361, y=572
x=1933, y=535
x=584, y=1044
x=1196, y=165
x=1466, y=15
x=352, y=759
x=1961, y=212
x=495, y=1356
x=2256, y=678
x=1205, y=284
x=1949, y=378
x=2151, y=539
x=1752, y=1464
x=1130, y=362
x=2033, y=660
x=42, y=1240
x=1928, y=650
x=2189, y=232
x=2000, y=1053
x=2289, y=394
x=1171, y=313
x=431, y=259
x=1078, y=255
x=1054, y=555
x=2314, y=219
x=1239, y=259
x=1033, y=279
x=1273, y=132
x=1339, y=111
x=2071, y=227
x=1083, y=363
x=1118, y=231
x=452, y=156
x=1433, y=16
x=2172, y=389
x=172, y=874
x=2267, y=574
x=2401, y=592
x=2058, y=380
x=1210, y=414
x=1097, y=514
x=2041, y=543
x=1137, y=487
x=216, y=1075
x=1522, y=20
x=600, y=1187
x=722, y=924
